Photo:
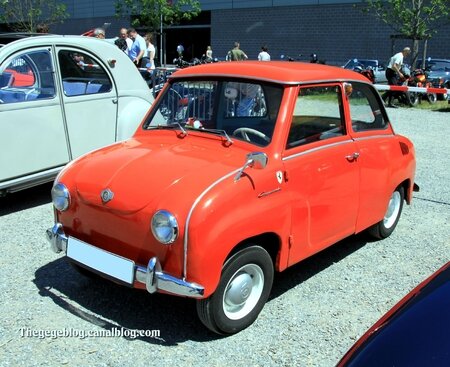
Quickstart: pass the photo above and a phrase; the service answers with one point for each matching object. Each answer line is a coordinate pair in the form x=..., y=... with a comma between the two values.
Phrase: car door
x=375, y=140
x=90, y=100
x=322, y=174
x=32, y=133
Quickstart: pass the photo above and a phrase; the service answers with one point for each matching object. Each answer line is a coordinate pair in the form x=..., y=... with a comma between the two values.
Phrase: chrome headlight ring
x=60, y=197
x=164, y=227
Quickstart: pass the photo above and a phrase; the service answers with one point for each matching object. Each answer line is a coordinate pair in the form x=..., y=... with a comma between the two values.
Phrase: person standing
x=99, y=33
x=394, y=74
x=123, y=35
x=138, y=47
x=264, y=55
x=209, y=53
x=236, y=54
x=148, y=61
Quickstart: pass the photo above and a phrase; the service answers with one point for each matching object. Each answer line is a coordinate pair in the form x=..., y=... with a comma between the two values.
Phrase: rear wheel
x=243, y=290
x=431, y=97
x=386, y=226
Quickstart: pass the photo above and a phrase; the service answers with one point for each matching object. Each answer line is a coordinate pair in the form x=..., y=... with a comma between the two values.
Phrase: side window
x=82, y=75
x=27, y=77
x=365, y=110
x=318, y=115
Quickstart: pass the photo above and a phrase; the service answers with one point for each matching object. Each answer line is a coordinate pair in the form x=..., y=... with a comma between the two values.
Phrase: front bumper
x=152, y=275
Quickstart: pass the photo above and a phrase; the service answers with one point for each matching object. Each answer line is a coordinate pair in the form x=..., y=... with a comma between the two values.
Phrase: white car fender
x=131, y=111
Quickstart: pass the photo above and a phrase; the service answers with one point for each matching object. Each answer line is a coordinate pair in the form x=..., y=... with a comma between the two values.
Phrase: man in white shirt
x=264, y=55
x=124, y=35
x=394, y=73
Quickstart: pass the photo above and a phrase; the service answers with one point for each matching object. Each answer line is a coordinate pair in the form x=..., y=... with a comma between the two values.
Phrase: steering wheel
x=244, y=131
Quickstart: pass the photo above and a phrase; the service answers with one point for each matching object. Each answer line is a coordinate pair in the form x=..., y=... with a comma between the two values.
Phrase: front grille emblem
x=106, y=195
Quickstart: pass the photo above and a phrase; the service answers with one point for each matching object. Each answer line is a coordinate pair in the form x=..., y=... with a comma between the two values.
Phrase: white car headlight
x=60, y=197
x=164, y=227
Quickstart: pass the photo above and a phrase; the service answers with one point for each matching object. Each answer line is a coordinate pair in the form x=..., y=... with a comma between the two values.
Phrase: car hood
x=138, y=171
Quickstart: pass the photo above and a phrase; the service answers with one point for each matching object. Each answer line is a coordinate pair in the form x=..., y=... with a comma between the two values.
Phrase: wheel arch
x=408, y=187
x=269, y=241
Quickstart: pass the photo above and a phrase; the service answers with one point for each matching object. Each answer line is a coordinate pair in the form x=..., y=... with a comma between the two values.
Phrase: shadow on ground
x=109, y=306
x=25, y=199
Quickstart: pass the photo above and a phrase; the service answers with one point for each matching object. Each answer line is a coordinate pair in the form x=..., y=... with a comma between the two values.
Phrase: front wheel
x=243, y=290
x=412, y=98
x=386, y=226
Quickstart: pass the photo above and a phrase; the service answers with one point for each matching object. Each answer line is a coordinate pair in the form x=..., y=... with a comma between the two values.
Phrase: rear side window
x=365, y=109
x=82, y=75
x=27, y=77
x=318, y=115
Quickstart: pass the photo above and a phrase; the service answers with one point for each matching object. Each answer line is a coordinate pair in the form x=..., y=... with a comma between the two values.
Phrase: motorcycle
x=418, y=78
x=312, y=58
x=367, y=72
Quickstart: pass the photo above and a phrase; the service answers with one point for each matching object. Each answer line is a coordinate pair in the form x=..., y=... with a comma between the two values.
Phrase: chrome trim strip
x=267, y=193
x=374, y=137
x=30, y=180
x=188, y=219
x=316, y=149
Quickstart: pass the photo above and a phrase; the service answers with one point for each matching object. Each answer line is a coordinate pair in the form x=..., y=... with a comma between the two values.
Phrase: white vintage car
x=60, y=97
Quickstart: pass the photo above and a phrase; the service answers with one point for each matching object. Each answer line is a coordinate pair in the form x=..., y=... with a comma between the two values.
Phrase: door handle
x=352, y=157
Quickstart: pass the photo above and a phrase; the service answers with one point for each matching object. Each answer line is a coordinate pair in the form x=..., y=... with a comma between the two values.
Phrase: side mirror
x=256, y=160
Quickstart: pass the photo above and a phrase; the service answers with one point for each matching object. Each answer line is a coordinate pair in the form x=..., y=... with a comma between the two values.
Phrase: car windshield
x=241, y=109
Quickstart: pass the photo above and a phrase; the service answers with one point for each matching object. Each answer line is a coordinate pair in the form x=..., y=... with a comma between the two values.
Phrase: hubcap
x=392, y=210
x=243, y=291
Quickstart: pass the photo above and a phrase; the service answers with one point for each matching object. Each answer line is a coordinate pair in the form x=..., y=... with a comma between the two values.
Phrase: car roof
x=37, y=39
x=282, y=72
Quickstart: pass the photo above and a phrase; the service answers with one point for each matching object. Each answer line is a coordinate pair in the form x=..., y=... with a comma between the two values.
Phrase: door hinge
x=290, y=241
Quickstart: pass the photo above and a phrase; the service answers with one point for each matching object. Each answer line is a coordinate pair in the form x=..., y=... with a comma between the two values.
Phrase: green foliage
x=148, y=12
x=415, y=19
x=25, y=15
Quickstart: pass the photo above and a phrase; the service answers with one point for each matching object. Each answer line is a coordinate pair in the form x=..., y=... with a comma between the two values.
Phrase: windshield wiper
x=220, y=132
x=172, y=125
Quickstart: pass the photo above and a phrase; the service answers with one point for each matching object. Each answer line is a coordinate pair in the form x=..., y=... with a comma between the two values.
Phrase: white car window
x=82, y=75
x=27, y=77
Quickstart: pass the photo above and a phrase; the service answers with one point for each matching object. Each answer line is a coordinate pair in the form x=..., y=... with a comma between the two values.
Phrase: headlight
x=164, y=227
x=60, y=197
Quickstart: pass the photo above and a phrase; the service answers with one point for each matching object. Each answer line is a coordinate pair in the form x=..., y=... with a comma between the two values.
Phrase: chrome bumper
x=152, y=276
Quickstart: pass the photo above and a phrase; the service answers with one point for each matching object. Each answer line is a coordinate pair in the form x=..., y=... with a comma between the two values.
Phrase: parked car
x=8, y=37
x=415, y=332
x=379, y=69
x=60, y=97
x=240, y=169
x=438, y=73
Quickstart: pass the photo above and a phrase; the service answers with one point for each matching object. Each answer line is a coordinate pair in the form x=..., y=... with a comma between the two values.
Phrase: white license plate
x=103, y=261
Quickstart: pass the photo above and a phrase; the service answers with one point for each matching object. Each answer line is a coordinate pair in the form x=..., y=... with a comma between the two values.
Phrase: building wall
x=335, y=32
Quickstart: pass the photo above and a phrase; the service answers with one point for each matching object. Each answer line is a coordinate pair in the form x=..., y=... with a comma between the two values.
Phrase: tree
x=25, y=15
x=415, y=19
x=149, y=13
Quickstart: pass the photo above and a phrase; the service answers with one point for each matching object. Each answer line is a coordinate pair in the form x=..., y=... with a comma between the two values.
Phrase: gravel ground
x=317, y=309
